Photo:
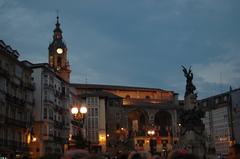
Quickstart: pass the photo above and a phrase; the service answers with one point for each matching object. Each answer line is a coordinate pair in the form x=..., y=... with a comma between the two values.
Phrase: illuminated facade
x=129, y=113
x=16, y=104
x=51, y=112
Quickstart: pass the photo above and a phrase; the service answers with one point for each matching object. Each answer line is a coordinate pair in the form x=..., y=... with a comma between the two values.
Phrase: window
x=216, y=100
x=45, y=113
x=13, y=112
x=51, y=114
x=18, y=71
x=205, y=103
x=147, y=97
x=96, y=112
x=118, y=116
x=225, y=98
x=127, y=96
x=50, y=131
x=45, y=130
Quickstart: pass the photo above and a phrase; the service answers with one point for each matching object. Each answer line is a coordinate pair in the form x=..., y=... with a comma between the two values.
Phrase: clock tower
x=57, y=50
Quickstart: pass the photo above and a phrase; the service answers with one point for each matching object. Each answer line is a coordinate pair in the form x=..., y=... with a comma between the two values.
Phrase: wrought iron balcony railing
x=14, y=145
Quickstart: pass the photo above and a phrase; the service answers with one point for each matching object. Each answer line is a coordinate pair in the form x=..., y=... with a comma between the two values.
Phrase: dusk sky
x=139, y=43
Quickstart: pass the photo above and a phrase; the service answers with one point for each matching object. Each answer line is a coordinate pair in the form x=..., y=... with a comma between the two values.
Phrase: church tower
x=57, y=50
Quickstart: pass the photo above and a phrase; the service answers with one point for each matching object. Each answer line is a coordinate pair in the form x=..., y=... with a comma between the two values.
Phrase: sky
x=140, y=43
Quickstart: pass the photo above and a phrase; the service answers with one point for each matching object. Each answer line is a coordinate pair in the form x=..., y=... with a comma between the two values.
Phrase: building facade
x=129, y=112
x=16, y=104
x=235, y=101
x=51, y=112
x=221, y=120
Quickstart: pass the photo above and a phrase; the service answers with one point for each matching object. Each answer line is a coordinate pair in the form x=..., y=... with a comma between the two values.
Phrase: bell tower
x=57, y=54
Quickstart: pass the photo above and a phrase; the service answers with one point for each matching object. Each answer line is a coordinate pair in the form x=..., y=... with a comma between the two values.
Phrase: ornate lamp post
x=79, y=113
x=152, y=142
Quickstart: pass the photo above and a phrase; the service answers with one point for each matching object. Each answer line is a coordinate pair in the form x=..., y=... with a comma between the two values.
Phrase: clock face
x=59, y=50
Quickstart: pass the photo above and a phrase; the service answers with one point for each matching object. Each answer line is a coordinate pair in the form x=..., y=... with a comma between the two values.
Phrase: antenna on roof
x=221, y=83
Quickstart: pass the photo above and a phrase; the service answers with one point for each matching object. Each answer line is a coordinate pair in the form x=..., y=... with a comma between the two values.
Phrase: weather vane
x=57, y=11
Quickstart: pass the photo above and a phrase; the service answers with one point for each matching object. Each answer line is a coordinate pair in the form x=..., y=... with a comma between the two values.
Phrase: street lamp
x=79, y=113
x=151, y=132
x=78, y=116
x=152, y=142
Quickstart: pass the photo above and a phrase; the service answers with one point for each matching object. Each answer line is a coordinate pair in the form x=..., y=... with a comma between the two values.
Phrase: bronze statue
x=190, y=88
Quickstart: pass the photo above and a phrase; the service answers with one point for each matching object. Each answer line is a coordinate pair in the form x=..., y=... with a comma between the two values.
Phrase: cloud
x=140, y=43
x=221, y=72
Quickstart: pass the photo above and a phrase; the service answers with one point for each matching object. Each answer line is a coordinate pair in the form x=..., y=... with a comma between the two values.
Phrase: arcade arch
x=137, y=122
x=163, y=122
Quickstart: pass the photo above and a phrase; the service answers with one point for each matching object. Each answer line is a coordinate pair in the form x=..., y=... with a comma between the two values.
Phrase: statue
x=190, y=117
x=190, y=88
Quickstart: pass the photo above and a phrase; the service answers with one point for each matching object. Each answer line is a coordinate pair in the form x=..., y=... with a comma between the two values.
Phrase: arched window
x=59, y=61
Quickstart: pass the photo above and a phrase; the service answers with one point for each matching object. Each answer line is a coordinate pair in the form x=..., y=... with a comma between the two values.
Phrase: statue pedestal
x=192, y=136
x=193, y=143
x=190, y=102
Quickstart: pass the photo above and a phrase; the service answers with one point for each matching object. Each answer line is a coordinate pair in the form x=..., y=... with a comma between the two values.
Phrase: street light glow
x=74, y=110
x=83, y=110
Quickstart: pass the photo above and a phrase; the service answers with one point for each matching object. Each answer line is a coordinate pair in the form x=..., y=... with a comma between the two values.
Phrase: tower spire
x=58, y=53
x=57, y=28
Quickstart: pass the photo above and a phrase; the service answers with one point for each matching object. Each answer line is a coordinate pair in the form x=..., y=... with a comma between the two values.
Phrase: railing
x=58, y=124
x=47, y=101
x=15, y=122
x=30, y=86
x=132, y=101
x=15, y=100
x=4, y=72
x=48, y=86
x=15, y=145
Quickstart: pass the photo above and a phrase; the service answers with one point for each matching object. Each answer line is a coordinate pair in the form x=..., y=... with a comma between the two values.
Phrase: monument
x=192, y=136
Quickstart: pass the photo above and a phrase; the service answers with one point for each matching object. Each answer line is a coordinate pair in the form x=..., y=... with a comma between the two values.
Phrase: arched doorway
x=163, y=122
x=137, y=122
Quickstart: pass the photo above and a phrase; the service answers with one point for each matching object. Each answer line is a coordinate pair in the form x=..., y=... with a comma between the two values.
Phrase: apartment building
x=16, y=104
x=51, y=113
x=218, y=121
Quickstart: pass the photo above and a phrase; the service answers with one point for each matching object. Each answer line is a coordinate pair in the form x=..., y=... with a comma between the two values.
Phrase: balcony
x=30, y=86
x=48, y=86
x=14, y=145
x=58, y=124
x=15, y=100
x=4, y=72
x=2, y=119
x=15, y=122
x=47, y=101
